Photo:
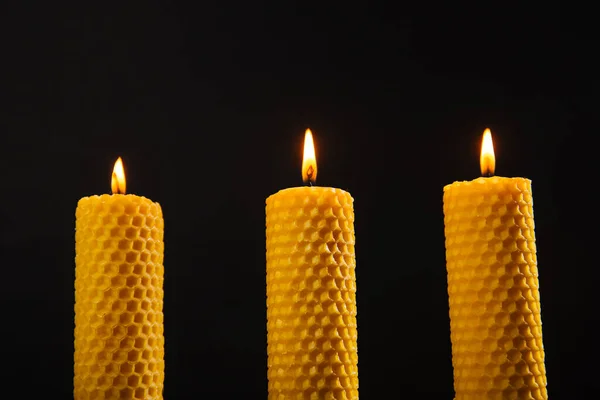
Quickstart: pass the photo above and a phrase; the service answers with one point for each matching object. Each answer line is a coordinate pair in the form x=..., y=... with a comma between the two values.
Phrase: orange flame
x=488, y=159
x=117, y=182
x=309, y=161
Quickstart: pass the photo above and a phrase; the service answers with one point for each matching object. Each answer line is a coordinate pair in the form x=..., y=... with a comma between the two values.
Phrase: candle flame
x=488, y=158
x=117, y=182
x=309, y=161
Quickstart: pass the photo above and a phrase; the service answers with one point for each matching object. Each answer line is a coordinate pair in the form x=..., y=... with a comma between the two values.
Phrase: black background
x=208, y=105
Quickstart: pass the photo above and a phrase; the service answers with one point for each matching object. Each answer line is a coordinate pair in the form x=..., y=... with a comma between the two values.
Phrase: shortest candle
x=311, y=291
x=119, y=342
x=493, y=288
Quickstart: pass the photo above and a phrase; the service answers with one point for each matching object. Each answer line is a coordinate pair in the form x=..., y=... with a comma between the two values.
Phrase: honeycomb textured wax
x=119, y=340
x=496, y=327
x=311, y=295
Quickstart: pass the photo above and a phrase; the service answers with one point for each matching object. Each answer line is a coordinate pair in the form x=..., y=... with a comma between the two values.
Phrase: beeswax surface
x=119, y=339
x=311, y=295
x=496, y=327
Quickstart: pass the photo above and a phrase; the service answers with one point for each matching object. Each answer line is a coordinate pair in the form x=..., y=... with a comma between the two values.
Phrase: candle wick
x=309, y=175
x=488, y=174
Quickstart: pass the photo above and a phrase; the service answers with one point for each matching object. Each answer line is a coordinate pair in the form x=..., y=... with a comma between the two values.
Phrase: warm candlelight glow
x=117, y=183
x=488, y=159
x=309, y=161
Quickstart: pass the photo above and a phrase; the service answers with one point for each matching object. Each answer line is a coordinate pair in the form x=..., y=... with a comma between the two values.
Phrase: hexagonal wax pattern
x=496, y=328
x=119, y=334
x=311, y=295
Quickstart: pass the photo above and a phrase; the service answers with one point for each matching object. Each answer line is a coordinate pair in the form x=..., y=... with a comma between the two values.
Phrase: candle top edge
x=482, y=180
x=106, y=196
x=312, y=189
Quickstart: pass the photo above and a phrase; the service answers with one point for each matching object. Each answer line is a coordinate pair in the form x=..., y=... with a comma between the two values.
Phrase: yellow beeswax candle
x=495, y=321
x=311, y=291
x=119, y=334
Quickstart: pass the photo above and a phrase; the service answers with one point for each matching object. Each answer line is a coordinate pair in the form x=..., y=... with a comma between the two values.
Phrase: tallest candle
x=119, y=341
x=496, y=327
x=311, y=291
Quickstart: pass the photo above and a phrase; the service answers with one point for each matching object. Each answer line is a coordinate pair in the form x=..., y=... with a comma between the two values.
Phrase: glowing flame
x=117, y=182
x=309, y=161
x=488, y=159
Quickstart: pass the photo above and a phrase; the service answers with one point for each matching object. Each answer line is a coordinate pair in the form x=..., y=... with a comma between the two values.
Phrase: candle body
x=311, y=295
x=119, y=333
x=495, y=321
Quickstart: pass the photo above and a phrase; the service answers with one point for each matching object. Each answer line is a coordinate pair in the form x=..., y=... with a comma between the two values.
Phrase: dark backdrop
x=208, y=105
